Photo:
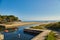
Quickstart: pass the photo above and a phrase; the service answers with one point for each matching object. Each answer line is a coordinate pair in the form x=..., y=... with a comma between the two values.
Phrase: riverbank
x=41, y=36
x=23, y=35
x=17, y=24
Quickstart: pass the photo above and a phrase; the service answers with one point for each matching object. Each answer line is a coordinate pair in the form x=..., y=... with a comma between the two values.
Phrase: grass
x=39, y=27
x=51, y=36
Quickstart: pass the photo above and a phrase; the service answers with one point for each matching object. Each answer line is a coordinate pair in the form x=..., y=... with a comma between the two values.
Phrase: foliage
x=39, y=27
x=51, y=36
x=53, y=26
x=36, y=27
x=2, y=28
x=8, y=18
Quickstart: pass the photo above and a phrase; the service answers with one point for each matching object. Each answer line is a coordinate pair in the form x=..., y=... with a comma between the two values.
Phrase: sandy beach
x=16, y=24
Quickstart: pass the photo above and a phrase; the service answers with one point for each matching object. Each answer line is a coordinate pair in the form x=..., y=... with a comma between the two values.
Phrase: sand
x=17, y=24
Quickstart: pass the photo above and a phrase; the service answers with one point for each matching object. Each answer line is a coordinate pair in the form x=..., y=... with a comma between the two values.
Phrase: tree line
x=8, y=18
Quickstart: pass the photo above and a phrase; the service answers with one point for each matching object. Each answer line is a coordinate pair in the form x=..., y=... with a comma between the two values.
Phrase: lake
x=23, y=36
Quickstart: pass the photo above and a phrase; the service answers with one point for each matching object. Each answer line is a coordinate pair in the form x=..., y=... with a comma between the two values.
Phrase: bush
x=53, y=26
x=51, y=36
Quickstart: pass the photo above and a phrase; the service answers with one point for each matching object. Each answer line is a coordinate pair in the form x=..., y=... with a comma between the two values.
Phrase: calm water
x=23, y=36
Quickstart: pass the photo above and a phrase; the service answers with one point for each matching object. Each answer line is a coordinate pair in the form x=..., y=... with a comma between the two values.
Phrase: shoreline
x=17, y=24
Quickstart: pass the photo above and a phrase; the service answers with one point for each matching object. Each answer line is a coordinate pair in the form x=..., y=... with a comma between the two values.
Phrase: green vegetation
x=9, y=18
x=39, y=27
x=51, y=36
x=2, y=28
x=53, y=26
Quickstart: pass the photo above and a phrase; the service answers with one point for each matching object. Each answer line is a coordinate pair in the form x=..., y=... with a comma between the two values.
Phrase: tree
x=9, y=18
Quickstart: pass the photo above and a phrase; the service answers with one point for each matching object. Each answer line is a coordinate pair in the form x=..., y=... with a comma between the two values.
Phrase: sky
x=31, y=9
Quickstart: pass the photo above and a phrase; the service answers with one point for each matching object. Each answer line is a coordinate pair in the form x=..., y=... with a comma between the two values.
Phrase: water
x=14, y=35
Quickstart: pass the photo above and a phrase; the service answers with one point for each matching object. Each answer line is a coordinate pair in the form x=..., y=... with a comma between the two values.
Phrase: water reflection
x=14, y=35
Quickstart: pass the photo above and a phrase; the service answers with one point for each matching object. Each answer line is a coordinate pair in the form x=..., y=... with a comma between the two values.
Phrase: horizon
x=31, y=10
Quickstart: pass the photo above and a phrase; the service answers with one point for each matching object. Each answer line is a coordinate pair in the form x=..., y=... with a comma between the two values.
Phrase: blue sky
x=31, y=9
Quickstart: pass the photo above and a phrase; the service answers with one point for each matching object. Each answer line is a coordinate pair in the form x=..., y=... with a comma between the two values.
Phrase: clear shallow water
x=23, y=36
